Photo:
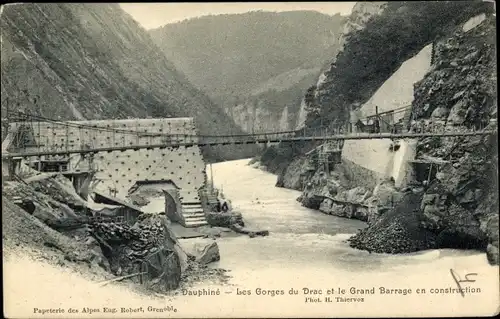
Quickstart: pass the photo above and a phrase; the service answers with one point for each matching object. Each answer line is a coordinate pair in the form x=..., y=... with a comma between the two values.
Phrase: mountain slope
x=373, y=53
x=239, y=59
x=94, y=62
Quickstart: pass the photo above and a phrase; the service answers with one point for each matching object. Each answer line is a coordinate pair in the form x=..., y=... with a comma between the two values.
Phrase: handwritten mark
x=458, y=280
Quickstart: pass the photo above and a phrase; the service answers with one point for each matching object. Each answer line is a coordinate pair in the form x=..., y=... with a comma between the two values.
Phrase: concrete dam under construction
x=179, y=171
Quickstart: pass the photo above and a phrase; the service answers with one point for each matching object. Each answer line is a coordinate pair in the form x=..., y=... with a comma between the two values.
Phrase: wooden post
x=429, y=177
x=7, y=109
x=211, y=178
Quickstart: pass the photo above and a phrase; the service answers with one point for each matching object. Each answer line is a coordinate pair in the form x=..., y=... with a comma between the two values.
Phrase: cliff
x=456, y=87
x=257, y=64
x=83, y=61
x=394, y=32
x=460, y=207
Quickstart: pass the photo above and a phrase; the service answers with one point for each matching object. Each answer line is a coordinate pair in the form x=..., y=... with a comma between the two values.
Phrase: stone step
x=195, y=224
x=190, y=209
x=191, y=204
x=195, y=219
x=195, y=214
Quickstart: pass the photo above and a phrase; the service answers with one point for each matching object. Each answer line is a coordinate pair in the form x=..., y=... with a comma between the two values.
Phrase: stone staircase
x=194, y=215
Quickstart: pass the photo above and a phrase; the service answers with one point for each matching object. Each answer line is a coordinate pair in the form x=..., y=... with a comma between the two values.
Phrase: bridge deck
x=177, y=140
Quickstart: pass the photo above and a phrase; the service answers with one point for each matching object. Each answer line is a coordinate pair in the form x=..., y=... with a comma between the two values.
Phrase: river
x=307, y=248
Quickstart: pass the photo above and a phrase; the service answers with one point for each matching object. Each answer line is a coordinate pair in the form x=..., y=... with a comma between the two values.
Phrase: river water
x=308, y=249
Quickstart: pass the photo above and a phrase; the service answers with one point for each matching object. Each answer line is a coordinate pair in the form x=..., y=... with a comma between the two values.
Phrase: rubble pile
x=224, y=219
x=397, y=231
x=140, y=249
x=147, y=248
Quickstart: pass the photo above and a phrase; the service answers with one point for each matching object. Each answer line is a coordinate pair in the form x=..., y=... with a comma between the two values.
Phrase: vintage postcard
x=242, y=160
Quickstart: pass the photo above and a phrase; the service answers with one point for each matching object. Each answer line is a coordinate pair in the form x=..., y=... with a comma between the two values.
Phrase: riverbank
x=459, y=209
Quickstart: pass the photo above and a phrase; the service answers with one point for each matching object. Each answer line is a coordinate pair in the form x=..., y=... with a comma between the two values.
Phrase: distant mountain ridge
x=94, y=61
x=239, y=59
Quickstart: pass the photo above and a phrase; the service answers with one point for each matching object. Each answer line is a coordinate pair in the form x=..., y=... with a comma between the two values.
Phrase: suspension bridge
x=121, y=153
x=150, y=137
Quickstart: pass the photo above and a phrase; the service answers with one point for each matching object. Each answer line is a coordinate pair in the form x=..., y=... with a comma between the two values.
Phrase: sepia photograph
x=249, y=160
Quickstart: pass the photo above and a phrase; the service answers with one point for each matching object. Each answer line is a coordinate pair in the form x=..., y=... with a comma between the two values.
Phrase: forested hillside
x=240, y=60
x=95, y=62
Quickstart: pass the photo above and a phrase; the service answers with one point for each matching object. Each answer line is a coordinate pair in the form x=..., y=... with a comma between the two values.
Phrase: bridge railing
x=135, y=139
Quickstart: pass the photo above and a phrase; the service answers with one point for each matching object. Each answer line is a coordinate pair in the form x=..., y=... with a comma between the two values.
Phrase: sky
x=154, y=15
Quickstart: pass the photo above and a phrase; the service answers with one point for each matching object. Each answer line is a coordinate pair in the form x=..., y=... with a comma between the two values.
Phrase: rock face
x=331, y=195
x=361, y=13
x=355, y=76
x=461, y=86
x=459, y=209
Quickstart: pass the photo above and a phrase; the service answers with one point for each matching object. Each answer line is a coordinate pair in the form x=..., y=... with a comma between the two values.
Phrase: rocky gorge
x=459, y=206
x=459, y=209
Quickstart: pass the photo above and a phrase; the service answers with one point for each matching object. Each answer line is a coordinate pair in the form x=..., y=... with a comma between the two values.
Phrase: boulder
x=326, y=206
x=350, y=211
x=210, y=253
x=492, y=254
x=385, y=194
x=440, y=113
x=355, y=195
x=224, y=219
x=457, y=113
x=203, y=250
x=311, y=201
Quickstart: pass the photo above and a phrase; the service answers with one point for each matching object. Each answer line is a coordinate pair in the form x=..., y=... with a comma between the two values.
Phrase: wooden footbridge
x=138, y=140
